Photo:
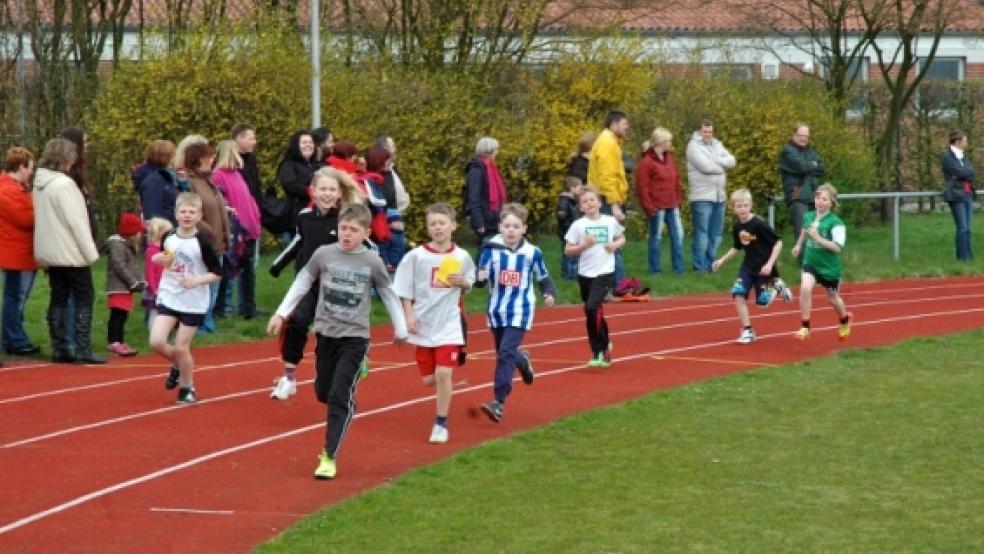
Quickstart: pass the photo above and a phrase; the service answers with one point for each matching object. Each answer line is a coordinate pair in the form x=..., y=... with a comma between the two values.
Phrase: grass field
x=927, y=250
x=868, y=451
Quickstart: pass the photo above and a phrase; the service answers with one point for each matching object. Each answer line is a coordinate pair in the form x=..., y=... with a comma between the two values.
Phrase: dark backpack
x=275, y=213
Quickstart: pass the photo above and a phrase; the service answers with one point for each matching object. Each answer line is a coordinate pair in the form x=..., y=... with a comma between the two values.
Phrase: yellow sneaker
x=326, y=467
x=844, y=329
x=803, y=334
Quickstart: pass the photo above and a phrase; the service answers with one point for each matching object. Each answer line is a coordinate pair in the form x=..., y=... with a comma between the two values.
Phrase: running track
x=100, y=458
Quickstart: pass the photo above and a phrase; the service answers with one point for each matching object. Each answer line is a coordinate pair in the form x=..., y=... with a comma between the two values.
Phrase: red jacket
x=16, y=226
x=658, y=182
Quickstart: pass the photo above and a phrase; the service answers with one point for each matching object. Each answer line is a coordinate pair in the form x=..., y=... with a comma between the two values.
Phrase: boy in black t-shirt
x=758, y=271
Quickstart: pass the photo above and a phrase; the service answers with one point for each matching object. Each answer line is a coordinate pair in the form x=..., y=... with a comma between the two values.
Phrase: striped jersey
x=511, y=275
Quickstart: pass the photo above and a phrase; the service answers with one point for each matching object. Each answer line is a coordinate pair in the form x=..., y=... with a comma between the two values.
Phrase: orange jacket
x=16, y=226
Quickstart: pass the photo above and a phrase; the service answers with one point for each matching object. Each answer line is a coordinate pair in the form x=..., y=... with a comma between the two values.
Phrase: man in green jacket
x=800, y=167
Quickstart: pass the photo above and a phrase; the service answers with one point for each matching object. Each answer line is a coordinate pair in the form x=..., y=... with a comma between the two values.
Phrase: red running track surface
x=100, y=458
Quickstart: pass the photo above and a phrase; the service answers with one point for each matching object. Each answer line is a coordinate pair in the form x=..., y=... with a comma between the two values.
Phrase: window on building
x=939, y=93
x=858, y=70
x=730, y=71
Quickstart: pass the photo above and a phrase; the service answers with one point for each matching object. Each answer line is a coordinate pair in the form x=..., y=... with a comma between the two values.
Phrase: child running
x=123, y=278
x=594, y=239
x=510, y=264
x=157, y=227
x=824, y=235
x=344, y=275
x=430, y=280
x=190, y=266
x=762, y=246
x=316, y=227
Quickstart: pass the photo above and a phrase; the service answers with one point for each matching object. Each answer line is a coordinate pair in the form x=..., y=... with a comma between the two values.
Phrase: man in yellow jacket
x=606, y=173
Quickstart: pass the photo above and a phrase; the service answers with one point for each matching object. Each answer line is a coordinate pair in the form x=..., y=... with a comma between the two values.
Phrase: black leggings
x=117, y=324
x=593, y=292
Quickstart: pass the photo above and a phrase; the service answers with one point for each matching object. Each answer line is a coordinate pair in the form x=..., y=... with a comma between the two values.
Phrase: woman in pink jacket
x=657, y=181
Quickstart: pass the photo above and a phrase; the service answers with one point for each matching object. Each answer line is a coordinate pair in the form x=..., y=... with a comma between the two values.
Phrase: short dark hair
x=195, y=153
x=239, y=129
x=956, y=135
x=705, y=123
x=613, y=117
x=376, y=158
x=320, y=134
x=356, y=212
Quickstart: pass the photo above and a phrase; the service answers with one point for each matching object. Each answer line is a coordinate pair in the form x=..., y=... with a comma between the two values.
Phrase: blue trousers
x=17, y=287
x=963, y=215
x=672, y=219
x=708, y=227
x=507, y=341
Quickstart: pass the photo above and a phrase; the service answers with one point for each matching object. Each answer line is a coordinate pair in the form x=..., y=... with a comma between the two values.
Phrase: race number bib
x=510, y=278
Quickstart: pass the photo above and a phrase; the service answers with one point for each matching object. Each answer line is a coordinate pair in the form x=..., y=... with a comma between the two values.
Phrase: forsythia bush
x=436, y=117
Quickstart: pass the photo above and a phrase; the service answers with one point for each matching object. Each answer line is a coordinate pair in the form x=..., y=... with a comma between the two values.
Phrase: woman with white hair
x=657, y=182
x=486, y=190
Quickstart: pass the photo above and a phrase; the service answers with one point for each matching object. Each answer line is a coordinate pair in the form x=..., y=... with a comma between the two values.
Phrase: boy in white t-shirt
x=431, y=279
x=595, y=238
x=190, y=265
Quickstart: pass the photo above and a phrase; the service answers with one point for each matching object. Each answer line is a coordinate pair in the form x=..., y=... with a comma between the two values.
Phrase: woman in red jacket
x=17, y=248
x=657, y=182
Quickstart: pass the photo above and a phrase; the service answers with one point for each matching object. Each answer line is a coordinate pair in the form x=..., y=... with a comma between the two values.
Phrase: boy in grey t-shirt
x=345, y=272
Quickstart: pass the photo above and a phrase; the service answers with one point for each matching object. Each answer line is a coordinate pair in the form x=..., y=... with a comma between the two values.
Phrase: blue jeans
x=963, y=215
x=708, y=226
x=671, y=217
x=17, y=287
x=213, y=294
x=606, y=209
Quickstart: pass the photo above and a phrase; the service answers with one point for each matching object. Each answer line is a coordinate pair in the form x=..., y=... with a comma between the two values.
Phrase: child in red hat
x=123, y=278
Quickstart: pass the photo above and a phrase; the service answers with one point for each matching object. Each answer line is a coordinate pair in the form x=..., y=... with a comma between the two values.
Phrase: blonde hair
x=228, y=155
x=831, y=192
x=659, y=135
x=516, y=210
x=157, y=227
x=188, y=199
x=591, y=190
x=351, y=193
x=179, y=152
x=741, y=194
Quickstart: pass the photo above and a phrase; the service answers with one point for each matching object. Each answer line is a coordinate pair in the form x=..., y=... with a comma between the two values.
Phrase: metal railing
x=896, y=198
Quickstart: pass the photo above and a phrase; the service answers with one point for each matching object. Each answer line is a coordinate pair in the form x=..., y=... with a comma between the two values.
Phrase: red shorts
x=430, y=357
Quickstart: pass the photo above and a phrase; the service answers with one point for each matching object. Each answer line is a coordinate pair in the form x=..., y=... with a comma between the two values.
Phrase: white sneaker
x=783, y=291
x=439, y=434
x=285, y=388
x=747, y=336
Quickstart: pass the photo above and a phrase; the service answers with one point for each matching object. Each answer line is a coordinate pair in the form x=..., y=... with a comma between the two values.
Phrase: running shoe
x=747, y=336
x=600, y=360
x=738, y=287
x=364, y=368
x=439, y=434
x=172, y=378
x=844, y=329
x=326, y=467
x=802, y=334
x=186, y=395
x=525, y=367
x=286, y=387
x=783, y=291
x=493, y=410
x=766, y=297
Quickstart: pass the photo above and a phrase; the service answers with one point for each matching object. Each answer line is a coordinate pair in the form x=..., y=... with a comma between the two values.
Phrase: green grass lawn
x=869, y=451
x=927, y=250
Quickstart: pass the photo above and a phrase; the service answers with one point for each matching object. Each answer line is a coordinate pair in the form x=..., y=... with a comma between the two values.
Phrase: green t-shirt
x=826, y=263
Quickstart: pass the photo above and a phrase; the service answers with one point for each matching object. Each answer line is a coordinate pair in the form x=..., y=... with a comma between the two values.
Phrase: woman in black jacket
x=296, y=170
x=958, y=176
x=486, y=192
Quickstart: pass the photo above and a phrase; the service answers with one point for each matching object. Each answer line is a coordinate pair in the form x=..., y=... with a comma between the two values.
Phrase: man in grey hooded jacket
x=707, y=162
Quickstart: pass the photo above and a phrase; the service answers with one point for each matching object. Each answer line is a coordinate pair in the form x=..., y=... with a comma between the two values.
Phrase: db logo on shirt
x=510, y=278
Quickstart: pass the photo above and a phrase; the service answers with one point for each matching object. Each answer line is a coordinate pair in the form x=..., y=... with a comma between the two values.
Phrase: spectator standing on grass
x=577, y=166
x=296, y=169
x=606, y=173
x=67, y=250
x=244, y=218
x=800, y=166
x=155, y=181
x=594, y=239
x=190, y=266
x=79, y=174
x=657, y=182
x=344, y=274
x=568, y=211
x=432, y=303
x=245, y=137
x=486, y=191
x=707, y=164
x=821, y=243
x=214, y=220
x=123, y=278
x=17, y=248
x=396, y=247
x=958, y=191
x=156, y=229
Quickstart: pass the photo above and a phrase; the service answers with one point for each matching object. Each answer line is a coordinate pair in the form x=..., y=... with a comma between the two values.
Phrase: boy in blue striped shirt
x=509, y=264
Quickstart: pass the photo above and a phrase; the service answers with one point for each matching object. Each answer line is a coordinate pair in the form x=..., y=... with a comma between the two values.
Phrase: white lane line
x=194, y=511
x=773, y=313
x=300, y=430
